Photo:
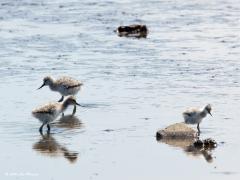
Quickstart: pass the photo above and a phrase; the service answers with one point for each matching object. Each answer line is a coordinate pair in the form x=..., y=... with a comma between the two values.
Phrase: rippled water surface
x=132, y=87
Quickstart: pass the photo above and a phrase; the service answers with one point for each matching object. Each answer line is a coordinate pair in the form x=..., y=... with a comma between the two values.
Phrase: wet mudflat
x=132, y=87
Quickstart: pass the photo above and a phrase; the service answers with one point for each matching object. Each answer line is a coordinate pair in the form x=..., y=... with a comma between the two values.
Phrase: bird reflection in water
x=197, y=151
x=189, y=148
x=48, y=145
x=69, y=122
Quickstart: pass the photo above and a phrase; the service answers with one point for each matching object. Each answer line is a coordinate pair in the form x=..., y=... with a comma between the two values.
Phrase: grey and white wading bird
x=195, y=116
x=64, y=85
x=49, y=112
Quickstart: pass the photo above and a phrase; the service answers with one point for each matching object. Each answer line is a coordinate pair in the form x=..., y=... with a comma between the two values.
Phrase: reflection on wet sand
x=189, y=148
x=48, y=146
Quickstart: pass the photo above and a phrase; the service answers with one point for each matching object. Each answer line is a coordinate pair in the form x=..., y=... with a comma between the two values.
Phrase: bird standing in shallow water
x=64, y=85
x=195, y=116
x=49, y=112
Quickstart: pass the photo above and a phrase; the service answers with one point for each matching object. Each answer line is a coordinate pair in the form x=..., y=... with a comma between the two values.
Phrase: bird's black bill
x=79, y=104
x=210, y=113
x=41, y=86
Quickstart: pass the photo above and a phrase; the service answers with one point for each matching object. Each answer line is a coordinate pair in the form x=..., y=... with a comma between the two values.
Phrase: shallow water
x=132, y=87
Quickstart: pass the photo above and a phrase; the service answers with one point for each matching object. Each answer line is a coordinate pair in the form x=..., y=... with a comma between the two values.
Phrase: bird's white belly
x=46, y=117
x=195, y=119
x=71, y=91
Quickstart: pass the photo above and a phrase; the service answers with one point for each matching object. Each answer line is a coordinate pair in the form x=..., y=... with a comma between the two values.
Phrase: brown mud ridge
x=178, y=130
x=138, y=31
x=181, y=136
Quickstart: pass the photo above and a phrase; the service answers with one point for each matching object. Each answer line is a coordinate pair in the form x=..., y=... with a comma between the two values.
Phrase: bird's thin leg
x=60, y=100
x=40, y=129
x=198, y=129
x=48, y=126
x=74, y=110
x=62, y=114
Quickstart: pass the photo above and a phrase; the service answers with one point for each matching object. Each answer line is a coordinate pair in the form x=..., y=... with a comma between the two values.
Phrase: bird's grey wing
x=73, y=86
x=187, y=114
x=190, y=113
x=68, y=82
x=47, y=109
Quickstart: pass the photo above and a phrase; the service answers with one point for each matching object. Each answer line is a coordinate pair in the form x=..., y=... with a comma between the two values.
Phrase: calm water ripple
x=132, y=87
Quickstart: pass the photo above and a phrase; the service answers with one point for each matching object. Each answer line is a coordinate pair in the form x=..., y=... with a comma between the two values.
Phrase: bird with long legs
x=49, y=112
x=64, y=85
x=195, y=115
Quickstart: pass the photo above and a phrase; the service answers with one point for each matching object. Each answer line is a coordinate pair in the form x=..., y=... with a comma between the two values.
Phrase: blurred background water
x=132, y=87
